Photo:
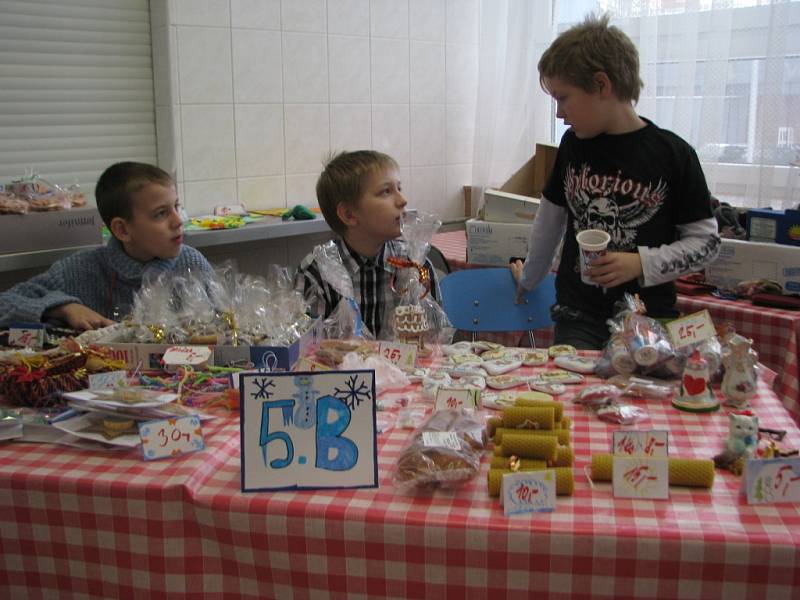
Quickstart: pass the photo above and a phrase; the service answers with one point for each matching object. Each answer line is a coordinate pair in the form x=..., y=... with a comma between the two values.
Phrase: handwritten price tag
x=528, y=491
x=111, y=379
x=27, y=335
x=171, y=437
x=451, y=398
x=691, y=329
x=772, y=481
x=636, y=477
x=653, y=444
x=402, y=355
x=193, y=356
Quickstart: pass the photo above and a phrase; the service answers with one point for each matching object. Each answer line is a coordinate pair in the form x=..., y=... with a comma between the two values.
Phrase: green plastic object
x=298, y=213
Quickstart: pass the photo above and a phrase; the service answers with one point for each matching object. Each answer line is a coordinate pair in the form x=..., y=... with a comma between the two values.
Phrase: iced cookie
x=501, y=366
x=535, y=358
x=562, y=350
x=579, y=364
x=504, y=382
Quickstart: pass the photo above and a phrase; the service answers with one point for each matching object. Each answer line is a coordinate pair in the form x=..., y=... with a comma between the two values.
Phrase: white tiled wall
x=252, y=95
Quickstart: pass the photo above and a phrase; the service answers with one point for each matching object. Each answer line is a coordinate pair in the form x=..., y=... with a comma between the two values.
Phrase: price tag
x=641, y=443
x=691, y=329
x=171, y=437
x=528, y=491
x=402, y=355
x=26, y=335
x=772, y=480
x=636, y=477
x=461, y=398
x=112, y=379
x=193, y=356
x=441, y=439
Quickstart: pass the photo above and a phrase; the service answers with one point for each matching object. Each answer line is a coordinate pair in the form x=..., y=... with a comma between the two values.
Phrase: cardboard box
x=49, y=230
x=775, y=226
x=515, y=201
x=741, y=260
x=275, y=358
x=496, y=244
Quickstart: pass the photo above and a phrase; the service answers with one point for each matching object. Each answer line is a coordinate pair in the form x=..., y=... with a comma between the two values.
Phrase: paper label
x=187, y=355
x=641, y=443
x=637, y=477
x=691, y=329
x=528, y=491
x=402, y=355
x=171, y=437
x=111, y=379
x=772, y=480
x=441, y=439
x=456, y=398
x=29, y=335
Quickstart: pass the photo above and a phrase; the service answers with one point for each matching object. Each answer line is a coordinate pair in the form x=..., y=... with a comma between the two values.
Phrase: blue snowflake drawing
x=354, y=393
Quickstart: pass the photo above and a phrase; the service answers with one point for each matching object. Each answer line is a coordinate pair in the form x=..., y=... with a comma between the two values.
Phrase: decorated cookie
x=498, y=354
x=457, y=348
x=465, y=359
x=562, y=350
x=553, y=389
x=556, y=376
x=535, y=358
x=433, y=382
x=504, y=382
x=471, y=381
x=501, y=366
x=579, y=364
x=497, y=401
x=416, y=375
x=483, y=346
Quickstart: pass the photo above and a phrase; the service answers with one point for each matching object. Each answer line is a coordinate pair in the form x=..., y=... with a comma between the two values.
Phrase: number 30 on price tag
x=691, y=329
x=171, y=437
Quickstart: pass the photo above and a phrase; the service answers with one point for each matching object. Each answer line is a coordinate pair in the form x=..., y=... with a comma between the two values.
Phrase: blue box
x=774, y=226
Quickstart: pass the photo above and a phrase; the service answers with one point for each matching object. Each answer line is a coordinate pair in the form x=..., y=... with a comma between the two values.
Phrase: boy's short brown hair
x=344, y=179
x=119, y=182
x=590, y=47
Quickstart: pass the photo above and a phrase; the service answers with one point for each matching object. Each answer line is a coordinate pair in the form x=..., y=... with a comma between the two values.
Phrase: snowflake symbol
x=354, y=394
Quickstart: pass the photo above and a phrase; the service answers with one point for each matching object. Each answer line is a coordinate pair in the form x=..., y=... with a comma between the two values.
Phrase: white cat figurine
x=741, y=443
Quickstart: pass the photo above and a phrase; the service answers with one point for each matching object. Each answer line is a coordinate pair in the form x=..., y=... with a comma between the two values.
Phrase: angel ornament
x=740, y=379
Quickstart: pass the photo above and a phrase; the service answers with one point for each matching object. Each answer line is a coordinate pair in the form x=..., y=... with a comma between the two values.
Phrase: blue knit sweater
x=104, y=279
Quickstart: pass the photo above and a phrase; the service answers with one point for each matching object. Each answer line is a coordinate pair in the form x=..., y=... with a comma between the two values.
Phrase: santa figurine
x=696, y=394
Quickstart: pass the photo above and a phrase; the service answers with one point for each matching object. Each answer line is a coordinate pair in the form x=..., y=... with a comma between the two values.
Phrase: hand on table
x=78, y=316
x=615, y=268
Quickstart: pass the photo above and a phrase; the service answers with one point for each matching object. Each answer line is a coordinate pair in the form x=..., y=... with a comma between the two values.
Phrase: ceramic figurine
x=741, y=443
x=696, y=394
x=740, y=379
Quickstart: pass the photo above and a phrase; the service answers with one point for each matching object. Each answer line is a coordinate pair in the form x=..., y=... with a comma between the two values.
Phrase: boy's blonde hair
x=344, y=180
x=592, y=46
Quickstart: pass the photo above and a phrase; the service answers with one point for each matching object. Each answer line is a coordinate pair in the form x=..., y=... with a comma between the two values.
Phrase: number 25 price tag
x=402, y=355
x=691, y=329
x=171, y=437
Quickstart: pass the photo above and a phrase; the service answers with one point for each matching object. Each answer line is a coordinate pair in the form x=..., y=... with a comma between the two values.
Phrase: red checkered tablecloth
x=74, y=523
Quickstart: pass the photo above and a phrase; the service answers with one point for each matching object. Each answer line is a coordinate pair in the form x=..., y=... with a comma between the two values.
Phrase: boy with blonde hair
x=361, y=198
x=139, y=204
x=620, y=173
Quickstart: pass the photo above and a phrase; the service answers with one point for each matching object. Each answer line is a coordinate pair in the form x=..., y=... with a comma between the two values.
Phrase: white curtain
x=722, y=74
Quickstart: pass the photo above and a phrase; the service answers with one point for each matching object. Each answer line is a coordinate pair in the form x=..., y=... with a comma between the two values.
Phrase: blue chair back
x=483, y=300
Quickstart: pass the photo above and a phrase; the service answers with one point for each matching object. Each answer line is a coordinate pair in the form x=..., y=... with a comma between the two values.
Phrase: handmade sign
x=772, y=480
x=109, y=379
x=171, y=437
x=636, y=477
x=457, y=398
x=191, y=356
x=641, y=443
x=26, y=335
x=528, y=491
x=308, y=430
x=691, y=329
x=402, y=355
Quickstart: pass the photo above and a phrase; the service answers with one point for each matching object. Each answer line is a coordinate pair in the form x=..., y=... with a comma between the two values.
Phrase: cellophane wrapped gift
x=418, y=317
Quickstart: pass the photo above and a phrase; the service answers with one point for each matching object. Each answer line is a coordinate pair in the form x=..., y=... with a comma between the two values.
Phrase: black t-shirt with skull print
x=637, y=187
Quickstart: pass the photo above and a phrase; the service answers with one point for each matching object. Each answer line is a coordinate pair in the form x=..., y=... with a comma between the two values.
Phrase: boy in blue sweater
x=92, y=288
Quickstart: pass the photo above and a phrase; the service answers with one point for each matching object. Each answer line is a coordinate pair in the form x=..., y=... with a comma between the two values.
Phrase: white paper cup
x=592, y=243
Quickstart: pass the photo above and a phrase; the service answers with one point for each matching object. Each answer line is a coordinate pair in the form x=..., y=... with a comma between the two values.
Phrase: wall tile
x=349, y=69
x=427, y=134
x=456, y=177
x=170, y=157
x=262, y=192
x=208, y=150
x=459, y=133
x=303, y=15
x=351, y=127
x=301, y=189
x=307, y=128
x=256, y=14
x=350, y=17
x=391, y=131
x=426, y=20
x=390, y=71
x=462, y=21
x=165, y=66
x=214, y=13
x=461, y=73
x=305, y=67
x=389, y=18
x=257, y=66
x=427, y=72
x=429, y=188
x=200, y=197
x=259, y=139
x=204, y=64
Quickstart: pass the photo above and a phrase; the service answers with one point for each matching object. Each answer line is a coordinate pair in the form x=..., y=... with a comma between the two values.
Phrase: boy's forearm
x=698, y=245
x=546, y=233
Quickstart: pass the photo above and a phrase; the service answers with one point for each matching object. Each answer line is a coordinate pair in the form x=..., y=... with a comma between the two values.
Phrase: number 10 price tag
x=691, y=329
x=171, y=437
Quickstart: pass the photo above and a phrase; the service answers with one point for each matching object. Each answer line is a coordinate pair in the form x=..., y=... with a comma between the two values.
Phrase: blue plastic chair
x=483, y=300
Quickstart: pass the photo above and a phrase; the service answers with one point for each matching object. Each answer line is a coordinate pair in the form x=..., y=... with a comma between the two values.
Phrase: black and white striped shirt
x=371, y=279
